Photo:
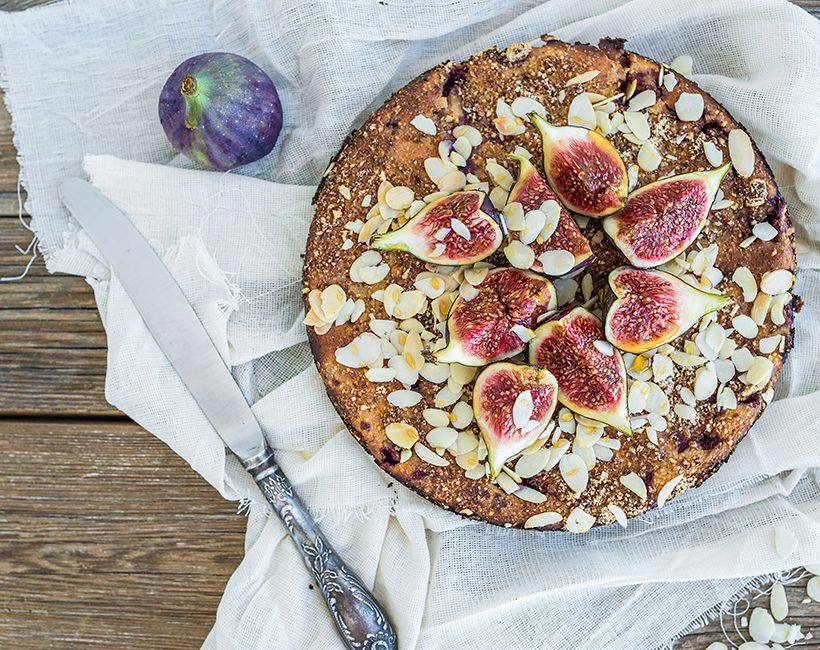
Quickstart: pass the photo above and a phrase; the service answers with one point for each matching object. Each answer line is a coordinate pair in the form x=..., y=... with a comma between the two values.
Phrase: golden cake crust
x=388, y=146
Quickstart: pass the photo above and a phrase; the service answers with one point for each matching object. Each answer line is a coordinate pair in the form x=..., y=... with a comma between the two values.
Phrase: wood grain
x=126, y=547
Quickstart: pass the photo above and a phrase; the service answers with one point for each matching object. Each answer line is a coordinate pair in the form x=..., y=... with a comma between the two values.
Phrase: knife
x=181, y=336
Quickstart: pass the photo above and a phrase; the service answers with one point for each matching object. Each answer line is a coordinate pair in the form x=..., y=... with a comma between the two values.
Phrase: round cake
x=549, y=287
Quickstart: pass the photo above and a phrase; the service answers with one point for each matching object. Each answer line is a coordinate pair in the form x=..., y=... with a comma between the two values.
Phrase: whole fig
x=221, y=110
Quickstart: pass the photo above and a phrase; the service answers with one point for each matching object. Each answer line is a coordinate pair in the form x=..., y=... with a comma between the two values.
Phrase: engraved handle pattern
x=361, y=622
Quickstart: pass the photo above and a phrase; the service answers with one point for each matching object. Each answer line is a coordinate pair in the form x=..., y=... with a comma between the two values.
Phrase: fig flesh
x=531, y=191
x=221, y=110
x=453, y=230
x=661, y=220
x=487, y=327
x=512, y=405
x=591, y=378
x=653, y=307
x=582, y=168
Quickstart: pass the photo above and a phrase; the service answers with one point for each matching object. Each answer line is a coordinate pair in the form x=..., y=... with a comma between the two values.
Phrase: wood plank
x=53, y=347
x=115, y=611
x=116, y=464
x=126, y=546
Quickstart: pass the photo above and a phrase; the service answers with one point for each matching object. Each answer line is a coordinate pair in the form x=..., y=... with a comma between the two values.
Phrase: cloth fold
x=234, y=242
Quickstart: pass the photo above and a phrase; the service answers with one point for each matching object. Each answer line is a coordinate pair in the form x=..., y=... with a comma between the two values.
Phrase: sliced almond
x=410, y=303
x=760, y=308
x=431, y=285
x=429, y=456
x=743, y=278
x=404, y=398
x=453, y=181
x=424, y=124
x=779, y=605
x=579, y=521
x=520, y=255
x=689, y=107
x=476, y=274
x=638, y=124
x=500, y=175
x=589, y=75
x=531, y=464
x=713, y=154
x=441, y=437
x=402, y=434
x=776, y=282
x=529, y=494
x=523, y=106
x=436, y=417
x=437, y=168
x=619, y=514
x=741, y=152
x=380, y=375
x=643, y=100
x=436, y=373
x=462, y=415
x=463, y=374
x=362, y=351
x=759, y=372
x=556, y=262
x=742, y=358
x=785, y=541
x=574, y=471
x=635, y=484
x=470, y=132
x=446, y=397
x=514, y=217
x=543, y=519
x=662, y=367
x=745, y=326
x=686, y=412
x=726, y=399
x=648, y=157
x=779, y=302
x=399, y=198
x=667, y=490
x=581, y=113
x=764, y=231
x=682, y=64
x=374, y=274
x=770, y=344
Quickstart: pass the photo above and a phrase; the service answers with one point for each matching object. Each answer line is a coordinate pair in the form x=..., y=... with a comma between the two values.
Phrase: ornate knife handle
x=358, y=617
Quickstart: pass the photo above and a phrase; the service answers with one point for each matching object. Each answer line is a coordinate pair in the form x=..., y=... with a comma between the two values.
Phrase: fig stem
x=193, y=102
x=189, y=86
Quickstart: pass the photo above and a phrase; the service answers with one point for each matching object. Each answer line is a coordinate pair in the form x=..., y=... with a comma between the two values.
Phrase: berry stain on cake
x=550, y=287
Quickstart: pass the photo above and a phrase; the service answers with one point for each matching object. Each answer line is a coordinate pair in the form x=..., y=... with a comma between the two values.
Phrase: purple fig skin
x=221, y=110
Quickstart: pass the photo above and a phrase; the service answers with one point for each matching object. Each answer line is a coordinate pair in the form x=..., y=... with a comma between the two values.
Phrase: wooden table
x=125, y=546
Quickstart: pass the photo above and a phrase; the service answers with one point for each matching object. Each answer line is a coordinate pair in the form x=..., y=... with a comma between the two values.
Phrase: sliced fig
x=532, y=192
x=452, y=230
x=489, y=326
x=582, y=168
x=512, y=404
x=661, y=220
x=590, y=373
x=653, y=307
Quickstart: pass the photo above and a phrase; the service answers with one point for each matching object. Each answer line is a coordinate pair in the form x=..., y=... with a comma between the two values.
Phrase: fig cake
x=550, y=287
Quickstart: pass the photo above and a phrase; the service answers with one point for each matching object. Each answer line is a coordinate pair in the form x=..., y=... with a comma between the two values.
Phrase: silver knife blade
x=168, y=316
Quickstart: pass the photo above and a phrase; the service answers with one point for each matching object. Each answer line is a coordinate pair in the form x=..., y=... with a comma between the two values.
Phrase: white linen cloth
x=82, y=82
